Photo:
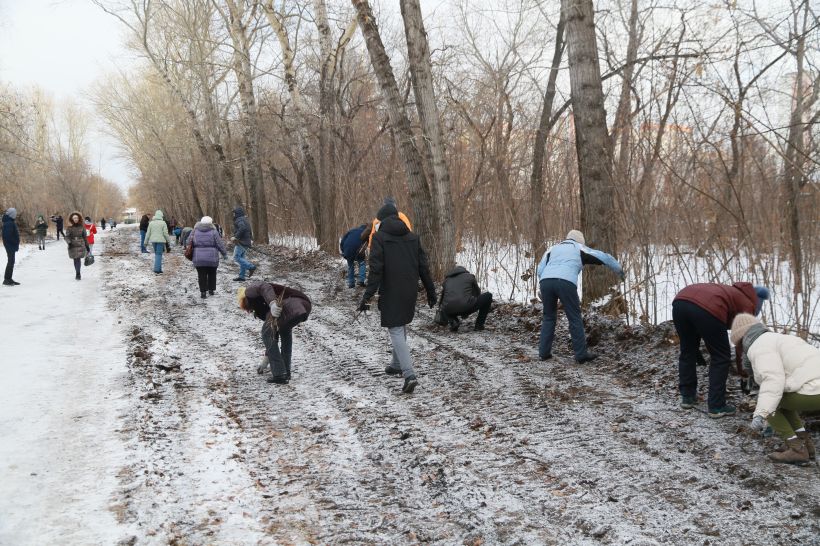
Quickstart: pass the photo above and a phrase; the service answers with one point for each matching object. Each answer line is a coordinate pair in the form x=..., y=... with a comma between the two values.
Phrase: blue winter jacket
x=565, y=260
x=351, y=245
x=242, y=228
x=11, y=236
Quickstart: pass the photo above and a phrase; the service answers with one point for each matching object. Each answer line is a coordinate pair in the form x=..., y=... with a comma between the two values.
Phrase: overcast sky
x=64, y=47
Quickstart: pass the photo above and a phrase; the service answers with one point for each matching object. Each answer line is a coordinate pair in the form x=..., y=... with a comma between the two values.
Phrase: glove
x=275, y=310
x=363, y=306
x=758, y=423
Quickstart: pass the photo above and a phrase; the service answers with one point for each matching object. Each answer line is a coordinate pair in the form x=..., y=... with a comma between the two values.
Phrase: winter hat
x=576, y=236
x=762, y=295
x=206, y=220
x=390, y=200
x=87, y=218
x=741, y=325
x=12, y=213
x=240, y=296
x=386, y=210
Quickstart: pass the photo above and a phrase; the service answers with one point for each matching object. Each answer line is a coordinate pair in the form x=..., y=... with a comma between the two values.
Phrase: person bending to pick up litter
x=282, y=308
x=397, y=261
x=705, y=311
x=558, y=280
x=788, y=372
x=461, y=297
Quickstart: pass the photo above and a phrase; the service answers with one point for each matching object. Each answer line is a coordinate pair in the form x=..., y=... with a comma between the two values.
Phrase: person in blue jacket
x=353, y=250
x=11, y=240
x=558, y=274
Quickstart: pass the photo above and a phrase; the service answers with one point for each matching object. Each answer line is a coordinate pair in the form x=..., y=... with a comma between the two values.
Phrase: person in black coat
x=143, y=229
x=58, y=223
x=397, y=262
x=11, y=241
x=461, y=297
x=353, y=250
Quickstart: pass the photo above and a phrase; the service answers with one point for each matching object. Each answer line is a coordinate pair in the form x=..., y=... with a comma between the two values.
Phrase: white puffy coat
x=783, y=363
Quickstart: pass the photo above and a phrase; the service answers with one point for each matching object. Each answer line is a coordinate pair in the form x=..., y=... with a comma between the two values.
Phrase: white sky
x=64, y=47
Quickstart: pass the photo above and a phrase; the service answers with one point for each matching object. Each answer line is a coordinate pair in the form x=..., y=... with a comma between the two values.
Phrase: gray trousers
x=401, y=352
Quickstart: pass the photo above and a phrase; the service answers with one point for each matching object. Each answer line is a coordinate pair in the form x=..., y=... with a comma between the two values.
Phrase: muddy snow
x=133, y=414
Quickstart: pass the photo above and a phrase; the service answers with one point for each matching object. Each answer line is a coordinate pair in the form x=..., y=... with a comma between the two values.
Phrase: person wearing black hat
x=374, y=226
x=397, y=262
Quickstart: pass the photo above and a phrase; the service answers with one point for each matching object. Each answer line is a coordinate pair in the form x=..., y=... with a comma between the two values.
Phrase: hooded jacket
x=207, y=245
x=781, y=363
x=11, y=235
x=374, y=227
x=397, y=262
x=144, y=222
x=296, y=306
x=75, y=238
x=242, y=228
x=721, y=301
x=351, y=245
x=157, y=231
x=459, y=292
x=566, y=259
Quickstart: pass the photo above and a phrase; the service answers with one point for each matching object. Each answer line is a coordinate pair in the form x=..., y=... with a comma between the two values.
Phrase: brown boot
x=795, y=454
x=806, y=437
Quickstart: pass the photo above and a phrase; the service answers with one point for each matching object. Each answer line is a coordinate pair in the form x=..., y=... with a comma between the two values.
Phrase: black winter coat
x=397, y=261
x=459, y=292
x=242, y=228
x=144, y=222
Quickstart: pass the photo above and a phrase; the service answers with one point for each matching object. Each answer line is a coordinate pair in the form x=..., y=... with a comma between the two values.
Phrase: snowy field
x=133, y=414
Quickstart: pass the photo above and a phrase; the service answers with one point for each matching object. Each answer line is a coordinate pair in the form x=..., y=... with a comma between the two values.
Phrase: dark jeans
x=60, y=232
x=77, y=264
x=693, y=323
x=10, y=264
x=279, y=359
x=482, y=305
x=351, y=272
x=207, y=278
x=553, y=290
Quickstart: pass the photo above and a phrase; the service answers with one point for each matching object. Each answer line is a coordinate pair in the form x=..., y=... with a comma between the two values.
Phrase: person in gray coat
x=461, y=297
x=207, y=246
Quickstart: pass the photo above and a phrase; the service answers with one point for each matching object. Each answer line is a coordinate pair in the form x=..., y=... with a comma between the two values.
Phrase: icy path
x=61, y=360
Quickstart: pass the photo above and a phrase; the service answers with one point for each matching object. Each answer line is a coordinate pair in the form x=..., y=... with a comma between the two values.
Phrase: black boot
x=77, y=276
x=203, y=295
x=277, y=380
x=454, y=324
x=211, y=292
x=409, y=386
x=586, y=357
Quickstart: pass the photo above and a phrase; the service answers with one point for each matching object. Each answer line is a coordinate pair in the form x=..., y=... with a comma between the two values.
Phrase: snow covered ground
x=159, y=431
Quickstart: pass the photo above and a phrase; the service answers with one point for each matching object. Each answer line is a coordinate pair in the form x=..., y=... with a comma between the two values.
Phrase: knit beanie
x=240, y=295
x=762, y=295
x=576, y=236
x=390, y=200
x=741, y=325
x=385, y=211
x=12, y=213
x=206, y=220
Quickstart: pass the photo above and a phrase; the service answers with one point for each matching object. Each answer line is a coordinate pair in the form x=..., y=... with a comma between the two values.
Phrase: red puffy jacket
x=90, y=230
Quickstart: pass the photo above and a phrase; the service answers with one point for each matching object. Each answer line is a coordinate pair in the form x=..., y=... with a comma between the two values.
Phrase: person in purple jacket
x=207, y=245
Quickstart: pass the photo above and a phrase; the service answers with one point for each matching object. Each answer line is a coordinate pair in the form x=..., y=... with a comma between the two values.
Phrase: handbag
x=89, y=259
x=189, y=250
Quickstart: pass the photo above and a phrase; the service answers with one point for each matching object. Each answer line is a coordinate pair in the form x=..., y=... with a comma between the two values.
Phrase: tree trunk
x=442, y=248
x=591, y=141
x=417, y=183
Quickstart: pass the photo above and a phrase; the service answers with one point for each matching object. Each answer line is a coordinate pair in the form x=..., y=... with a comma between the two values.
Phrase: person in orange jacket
x=374, y=225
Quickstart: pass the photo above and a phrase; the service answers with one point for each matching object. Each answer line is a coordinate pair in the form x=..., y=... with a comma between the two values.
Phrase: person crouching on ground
x=705, y=311
x=461, y=297
x=353, y=250
x=75, y=237
x=281, y=308
x=397, y=261
x=788, y=372
x=558, y=273
x=207, y=246
x=157, y=236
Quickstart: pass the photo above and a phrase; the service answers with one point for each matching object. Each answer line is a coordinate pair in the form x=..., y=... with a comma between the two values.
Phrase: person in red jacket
x=706, y=311
x=90, y=230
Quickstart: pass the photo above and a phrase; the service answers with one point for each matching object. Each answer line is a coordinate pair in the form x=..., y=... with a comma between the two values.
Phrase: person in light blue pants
x=243, y=239
x=157, y=235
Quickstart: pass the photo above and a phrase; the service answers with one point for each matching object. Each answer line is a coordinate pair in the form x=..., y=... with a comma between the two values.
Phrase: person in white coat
x=788, y=372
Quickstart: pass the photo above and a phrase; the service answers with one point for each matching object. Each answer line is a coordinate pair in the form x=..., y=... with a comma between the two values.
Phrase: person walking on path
x=186, y=232
x=281, y=308
x=706, y=311
x=397, y=262
x=41, y=229
x=143, y=229
x=75, y=238
x=157, y=236
x=558, y=273
x=102, y=223
x=207, y=245
x=11, y=242
x=788, y=372
x=243, y=239
x=353, y=250
x=58, y=223
x=461, y=297
x=374, y=225
x=91, y=230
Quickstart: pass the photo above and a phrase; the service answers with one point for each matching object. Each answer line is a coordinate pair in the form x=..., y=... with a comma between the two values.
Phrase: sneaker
x=239, y=279
x=588, y=357
x=277, y=380
x=409, y=385
x=546, y=356
x=9, y=282
x=722, y=412
x=688, y=402
x=392, y=371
